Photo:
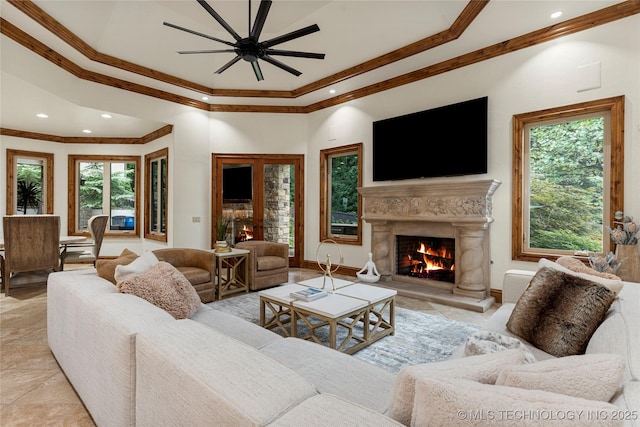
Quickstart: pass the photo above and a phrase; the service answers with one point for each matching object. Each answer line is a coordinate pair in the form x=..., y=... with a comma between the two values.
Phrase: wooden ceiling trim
x=152, y=136
x=469, y=13
x=594, y=19
x=600, y=17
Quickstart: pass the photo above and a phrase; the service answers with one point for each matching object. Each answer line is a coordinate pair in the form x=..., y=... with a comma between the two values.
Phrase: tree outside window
x=105, y=186
x=341, y=175
x=568, y=178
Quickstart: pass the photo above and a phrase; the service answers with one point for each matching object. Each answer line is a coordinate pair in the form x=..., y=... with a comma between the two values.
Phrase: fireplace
x=428, y=258
x=455, y=214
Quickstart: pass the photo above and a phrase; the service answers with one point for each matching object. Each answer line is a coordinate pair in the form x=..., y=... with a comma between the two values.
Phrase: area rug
x=419, y=337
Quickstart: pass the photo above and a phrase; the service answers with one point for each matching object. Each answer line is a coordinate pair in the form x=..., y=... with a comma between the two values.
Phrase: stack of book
x=309, y=294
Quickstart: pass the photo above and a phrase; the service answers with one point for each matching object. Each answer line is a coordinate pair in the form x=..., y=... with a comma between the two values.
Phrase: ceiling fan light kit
x=250, y=48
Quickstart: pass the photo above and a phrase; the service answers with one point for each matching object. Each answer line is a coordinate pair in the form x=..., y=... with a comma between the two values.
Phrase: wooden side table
x=228, y=281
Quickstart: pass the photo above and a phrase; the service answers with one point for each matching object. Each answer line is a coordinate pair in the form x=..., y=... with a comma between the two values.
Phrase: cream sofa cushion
x=591, y=376
x=329, y=410
x=190, y=375
x=453, y=401
x=483, y=368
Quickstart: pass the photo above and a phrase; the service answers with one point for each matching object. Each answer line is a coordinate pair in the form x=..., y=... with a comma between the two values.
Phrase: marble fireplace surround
x=455, y=209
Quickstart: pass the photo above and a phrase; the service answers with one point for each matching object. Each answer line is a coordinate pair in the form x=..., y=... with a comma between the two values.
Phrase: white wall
x=539, y=77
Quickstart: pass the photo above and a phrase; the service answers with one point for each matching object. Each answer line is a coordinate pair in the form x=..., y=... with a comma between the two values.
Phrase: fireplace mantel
x=457, y=208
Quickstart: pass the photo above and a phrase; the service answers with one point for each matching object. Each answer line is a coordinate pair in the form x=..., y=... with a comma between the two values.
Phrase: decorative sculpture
x=371, y=274
x=327, y=267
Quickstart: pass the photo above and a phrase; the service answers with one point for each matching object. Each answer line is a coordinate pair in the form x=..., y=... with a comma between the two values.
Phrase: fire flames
x=432, y=259
x=245, y=234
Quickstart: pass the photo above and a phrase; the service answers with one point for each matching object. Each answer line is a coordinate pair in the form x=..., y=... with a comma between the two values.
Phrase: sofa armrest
x=514, y=283
x=187, y=257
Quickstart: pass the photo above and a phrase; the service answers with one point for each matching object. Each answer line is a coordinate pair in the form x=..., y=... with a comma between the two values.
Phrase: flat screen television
x=237, y=184
x=444, y=141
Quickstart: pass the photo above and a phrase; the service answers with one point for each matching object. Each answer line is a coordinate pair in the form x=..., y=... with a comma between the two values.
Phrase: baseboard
x=343, y=270
x=497, y=294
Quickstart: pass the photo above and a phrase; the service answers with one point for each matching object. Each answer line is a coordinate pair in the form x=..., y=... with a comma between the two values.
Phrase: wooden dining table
x=64, y=241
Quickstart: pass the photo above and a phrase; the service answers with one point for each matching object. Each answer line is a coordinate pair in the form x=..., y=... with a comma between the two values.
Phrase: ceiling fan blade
x=279, y=64
x=183, y=52
x=257, y=70
x=292, y=35
x=218, y=18
x=261, y=17
x=177, y=27
x=227, y=65
x=295, y=53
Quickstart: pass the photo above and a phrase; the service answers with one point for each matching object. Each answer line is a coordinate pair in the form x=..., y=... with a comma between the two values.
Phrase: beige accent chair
x=197, y=265
x=268, y=263
x=31, y=249
x=97, y=226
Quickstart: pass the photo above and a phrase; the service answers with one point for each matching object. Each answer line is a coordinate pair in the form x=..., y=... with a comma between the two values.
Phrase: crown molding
x=152, y=136
x=594, y=19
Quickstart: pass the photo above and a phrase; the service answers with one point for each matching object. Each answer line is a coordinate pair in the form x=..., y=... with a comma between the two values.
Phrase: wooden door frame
x=259, y=160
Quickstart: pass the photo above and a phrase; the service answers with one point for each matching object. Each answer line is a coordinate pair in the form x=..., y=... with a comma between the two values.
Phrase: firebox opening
x=430, y=258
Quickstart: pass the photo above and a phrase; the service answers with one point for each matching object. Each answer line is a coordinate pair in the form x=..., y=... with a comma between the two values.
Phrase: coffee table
x=342, y=311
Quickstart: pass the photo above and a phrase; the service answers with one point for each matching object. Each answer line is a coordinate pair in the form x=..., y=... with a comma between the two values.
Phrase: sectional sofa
x=132, y=363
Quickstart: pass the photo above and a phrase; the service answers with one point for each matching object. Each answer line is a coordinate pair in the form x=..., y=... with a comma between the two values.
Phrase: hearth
x=457, y=211
x=428, y=258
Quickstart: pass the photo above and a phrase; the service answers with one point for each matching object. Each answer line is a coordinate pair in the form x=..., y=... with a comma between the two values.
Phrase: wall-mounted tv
x=237, y=183
x=444, y=141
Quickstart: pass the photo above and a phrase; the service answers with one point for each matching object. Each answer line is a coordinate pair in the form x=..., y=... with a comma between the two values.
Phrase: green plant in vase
x=222, y=223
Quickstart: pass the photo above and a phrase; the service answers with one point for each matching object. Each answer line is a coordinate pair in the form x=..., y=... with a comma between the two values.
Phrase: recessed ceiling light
x=86, y=130
x=205, y=98
x=42, y=115
x=105, y=116
x=556, y=14
x=332, y=91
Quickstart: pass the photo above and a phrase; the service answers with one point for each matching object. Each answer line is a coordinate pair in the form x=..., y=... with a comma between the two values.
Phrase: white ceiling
x=351, y=32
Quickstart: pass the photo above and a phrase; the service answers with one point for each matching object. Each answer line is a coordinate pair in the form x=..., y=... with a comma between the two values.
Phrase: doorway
x=262, y=197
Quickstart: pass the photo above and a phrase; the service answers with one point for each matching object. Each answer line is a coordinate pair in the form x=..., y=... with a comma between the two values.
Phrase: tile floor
x=35, y=392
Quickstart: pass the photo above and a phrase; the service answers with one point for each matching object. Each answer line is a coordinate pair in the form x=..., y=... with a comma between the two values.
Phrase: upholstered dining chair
x=97, y=226
x=31, y=249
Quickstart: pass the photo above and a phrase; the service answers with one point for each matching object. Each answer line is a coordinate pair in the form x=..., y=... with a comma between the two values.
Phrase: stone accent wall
x=277, y=210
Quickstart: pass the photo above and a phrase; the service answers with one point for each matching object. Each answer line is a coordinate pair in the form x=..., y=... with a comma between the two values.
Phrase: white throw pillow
x=451, y=401
x=588, y=376
x=484, y=368
x=139, y=266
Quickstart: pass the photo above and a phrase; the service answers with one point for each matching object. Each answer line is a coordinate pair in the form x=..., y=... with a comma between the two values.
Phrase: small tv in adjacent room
x=444, y=141
x=237, y=184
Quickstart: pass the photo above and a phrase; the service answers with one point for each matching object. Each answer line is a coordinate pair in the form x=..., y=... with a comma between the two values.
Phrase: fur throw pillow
x=576, y=265
x=164, y=286
x=587, y=376
x=486, y=342
x=559, y=312
x=107, y=267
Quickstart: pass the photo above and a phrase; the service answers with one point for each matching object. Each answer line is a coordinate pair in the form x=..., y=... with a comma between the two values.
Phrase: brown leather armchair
x=268, y=263
x=197, y=265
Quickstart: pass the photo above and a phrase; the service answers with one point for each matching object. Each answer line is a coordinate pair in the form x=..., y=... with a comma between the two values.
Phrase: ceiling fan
x=250, y=48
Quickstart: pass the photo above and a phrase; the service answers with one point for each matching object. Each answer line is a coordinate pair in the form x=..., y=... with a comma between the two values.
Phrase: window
x=104, y=185
x=567, y=179
x=156, y=181
x=29, y=182
x=340, y=202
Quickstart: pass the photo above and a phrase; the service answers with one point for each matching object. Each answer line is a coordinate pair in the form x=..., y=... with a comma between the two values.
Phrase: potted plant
x=222, y=223
x=28, y=195
x=624, y=236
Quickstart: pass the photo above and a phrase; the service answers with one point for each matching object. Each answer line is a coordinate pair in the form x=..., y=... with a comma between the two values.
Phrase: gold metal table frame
x=280, y=313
